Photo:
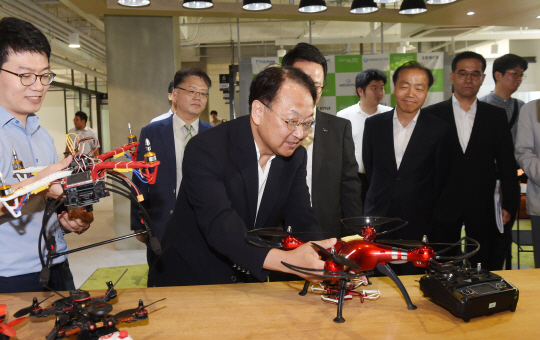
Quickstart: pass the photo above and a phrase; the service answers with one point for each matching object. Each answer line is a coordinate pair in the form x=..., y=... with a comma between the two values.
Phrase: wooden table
x=275, y=310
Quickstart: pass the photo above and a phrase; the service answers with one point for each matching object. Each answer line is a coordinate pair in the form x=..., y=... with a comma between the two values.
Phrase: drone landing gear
x=342, y=286
x=386, y=270
x=341, y=298
x=304, y=290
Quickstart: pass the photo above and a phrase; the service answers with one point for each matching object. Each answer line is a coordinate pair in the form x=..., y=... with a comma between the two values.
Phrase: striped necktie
x=188, y=136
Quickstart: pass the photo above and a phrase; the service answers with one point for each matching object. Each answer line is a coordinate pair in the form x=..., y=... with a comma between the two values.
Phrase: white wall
x=52, y=117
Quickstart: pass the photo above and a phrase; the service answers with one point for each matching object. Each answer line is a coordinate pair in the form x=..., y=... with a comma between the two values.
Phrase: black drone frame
x=50, y=242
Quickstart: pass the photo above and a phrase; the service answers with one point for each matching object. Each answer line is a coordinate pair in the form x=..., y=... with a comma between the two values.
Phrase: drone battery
x=468, y=294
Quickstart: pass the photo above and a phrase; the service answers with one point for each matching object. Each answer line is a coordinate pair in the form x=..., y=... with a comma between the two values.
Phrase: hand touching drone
x=304, y=256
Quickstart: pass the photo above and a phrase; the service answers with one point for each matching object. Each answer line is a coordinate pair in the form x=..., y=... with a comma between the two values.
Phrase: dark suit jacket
x=159, y=198
x=217, y=205
x=489, y=155
x=411, y=192
x=336, y=187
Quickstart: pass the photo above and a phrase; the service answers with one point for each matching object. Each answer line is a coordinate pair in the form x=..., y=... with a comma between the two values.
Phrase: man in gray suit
x=527, y=142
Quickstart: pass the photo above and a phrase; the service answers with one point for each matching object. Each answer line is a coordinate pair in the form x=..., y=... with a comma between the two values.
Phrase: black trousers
x=61, y=280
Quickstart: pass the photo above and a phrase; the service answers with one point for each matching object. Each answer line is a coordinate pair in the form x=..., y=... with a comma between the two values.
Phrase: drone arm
x=117, y=152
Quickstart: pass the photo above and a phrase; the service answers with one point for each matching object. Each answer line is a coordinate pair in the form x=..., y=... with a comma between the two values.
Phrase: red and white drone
x=85, y=181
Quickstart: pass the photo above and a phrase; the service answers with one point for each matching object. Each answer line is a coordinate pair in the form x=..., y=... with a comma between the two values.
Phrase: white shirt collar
x=259, y=154
x=178, y=124
x=456, y=103
x=415, y=119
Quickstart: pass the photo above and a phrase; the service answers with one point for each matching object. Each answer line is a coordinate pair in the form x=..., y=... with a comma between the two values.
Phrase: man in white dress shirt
x=172, y=101
x=370, y=88
x=482, y=153
x=404, y=154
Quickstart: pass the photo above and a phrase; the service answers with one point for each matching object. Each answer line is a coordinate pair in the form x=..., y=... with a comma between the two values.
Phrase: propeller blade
x=112, y=288
x=7, y=331
x=346, y=262
x=129, y=312
x=27, y=310
x=324, y=274
x=276, y=231
x=15, y=322
x=61, y=321
x=322, y=249
x=340, y=259
x=126, y=313
x=52, y=335
x=402, y=243
x=3, y=311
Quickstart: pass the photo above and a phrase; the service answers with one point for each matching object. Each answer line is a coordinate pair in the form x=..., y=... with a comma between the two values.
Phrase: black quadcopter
x=83, y=315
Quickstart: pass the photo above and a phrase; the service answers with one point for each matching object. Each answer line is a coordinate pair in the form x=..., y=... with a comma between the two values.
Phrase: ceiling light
x=198, y=4
x=256, y=5
x=412, y=7
x=470, y=13
x=312, y=6
x=134, y=3
x=385, y=1
x=439, y=2
x=74, y=40
x=363, y=7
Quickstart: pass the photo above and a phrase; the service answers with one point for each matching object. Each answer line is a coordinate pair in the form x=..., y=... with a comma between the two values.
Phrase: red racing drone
x=348, y=260
x=84, y=316
x=87, y=180
x=6, y=330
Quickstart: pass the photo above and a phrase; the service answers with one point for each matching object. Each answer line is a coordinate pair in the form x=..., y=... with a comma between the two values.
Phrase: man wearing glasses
x=331, y=167
x=169, y=138
x=482, y=152
x=244, y=174
x=24, y=80
x=508, y=73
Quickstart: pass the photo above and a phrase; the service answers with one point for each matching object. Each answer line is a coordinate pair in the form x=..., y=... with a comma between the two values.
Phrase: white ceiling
x=262, y=33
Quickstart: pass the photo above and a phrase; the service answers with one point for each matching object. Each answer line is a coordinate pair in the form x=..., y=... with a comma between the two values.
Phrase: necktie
x=188, y=136
x=308, y=140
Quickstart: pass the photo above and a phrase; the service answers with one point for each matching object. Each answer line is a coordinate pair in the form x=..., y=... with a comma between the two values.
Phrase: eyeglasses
x=28, y=79
x=474, y=75
x=320, y=88
x=517, y=74
x=293, y=124
x=194, y=93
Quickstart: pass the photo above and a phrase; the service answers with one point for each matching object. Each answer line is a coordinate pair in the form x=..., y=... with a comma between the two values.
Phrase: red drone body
x=368, y=254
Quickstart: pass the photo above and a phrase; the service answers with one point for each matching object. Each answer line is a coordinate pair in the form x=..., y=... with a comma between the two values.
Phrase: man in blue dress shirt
x=24, y=80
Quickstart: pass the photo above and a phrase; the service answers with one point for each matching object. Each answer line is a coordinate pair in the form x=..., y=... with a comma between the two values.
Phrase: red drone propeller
x=6, y=328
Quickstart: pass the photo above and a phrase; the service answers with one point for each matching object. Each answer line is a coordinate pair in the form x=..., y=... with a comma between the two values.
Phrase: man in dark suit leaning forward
x=331, y=166
x=244, y=174
x=482, y=151
x=168, y=138
x=404, y=153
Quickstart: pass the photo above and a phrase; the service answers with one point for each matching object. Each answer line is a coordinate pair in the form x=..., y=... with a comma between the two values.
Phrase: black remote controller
x=468, y=293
